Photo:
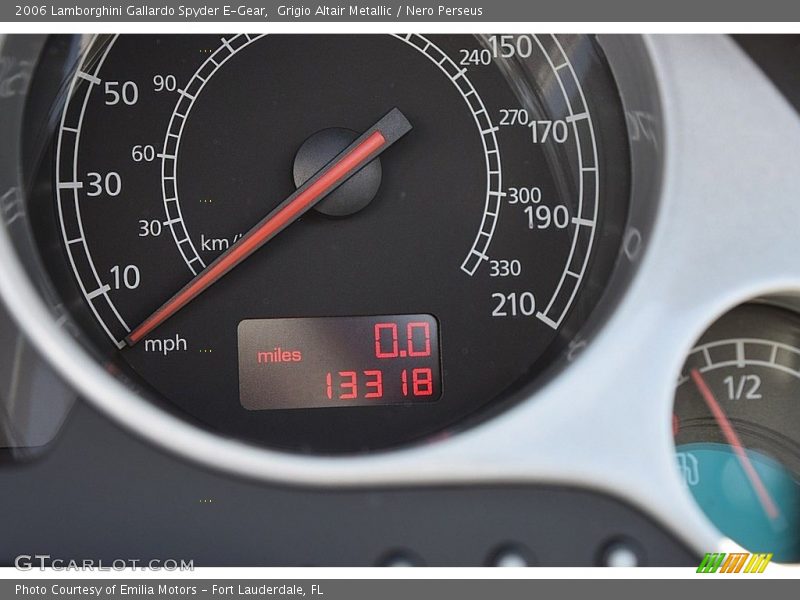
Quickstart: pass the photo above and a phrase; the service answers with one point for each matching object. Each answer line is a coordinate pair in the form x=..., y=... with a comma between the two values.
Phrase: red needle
x=375, y=140
x=767, y=503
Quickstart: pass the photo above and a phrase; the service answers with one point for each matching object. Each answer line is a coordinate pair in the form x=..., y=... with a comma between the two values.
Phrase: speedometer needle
x=767, y=503
x=347, y=163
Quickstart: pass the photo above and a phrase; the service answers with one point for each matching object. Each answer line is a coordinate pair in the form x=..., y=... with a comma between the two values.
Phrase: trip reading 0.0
x=338, y=361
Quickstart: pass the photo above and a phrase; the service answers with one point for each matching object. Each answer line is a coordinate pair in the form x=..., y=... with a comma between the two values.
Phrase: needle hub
x=354, y=194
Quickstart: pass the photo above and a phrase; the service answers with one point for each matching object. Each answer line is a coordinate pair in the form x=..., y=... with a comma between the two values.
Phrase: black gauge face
x=737, y=428
x=443, y=273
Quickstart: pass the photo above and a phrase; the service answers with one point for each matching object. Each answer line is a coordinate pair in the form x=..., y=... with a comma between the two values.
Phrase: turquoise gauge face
x=736, y=424
x=723, y=490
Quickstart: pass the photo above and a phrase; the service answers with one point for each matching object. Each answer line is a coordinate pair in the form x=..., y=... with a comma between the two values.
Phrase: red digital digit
x=376, y=384
x=426, y=332
x=404, y=381
x=379, y=351
x=329, y=385
x=422, y=380
x=351, y=385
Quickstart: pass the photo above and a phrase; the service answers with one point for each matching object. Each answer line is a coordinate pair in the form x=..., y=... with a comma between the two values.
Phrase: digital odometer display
x=477, y=183
x=338, y=361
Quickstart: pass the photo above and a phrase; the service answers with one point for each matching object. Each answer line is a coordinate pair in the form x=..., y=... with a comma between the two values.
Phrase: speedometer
x=338, y=243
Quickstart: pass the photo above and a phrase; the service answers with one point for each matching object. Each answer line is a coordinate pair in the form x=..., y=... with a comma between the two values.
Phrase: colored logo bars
x=736, y=562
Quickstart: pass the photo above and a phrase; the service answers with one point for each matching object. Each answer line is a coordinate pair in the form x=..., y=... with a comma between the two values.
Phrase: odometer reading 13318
x=338, y=361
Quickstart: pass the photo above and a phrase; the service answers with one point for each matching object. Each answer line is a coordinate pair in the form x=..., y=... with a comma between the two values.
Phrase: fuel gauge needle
x=390, y=128
x=764, y=497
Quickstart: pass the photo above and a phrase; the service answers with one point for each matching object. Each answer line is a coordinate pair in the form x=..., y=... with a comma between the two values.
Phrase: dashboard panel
x=551, y=267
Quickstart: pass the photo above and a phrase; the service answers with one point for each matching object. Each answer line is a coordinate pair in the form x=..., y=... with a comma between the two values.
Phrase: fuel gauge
x=736, y=424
